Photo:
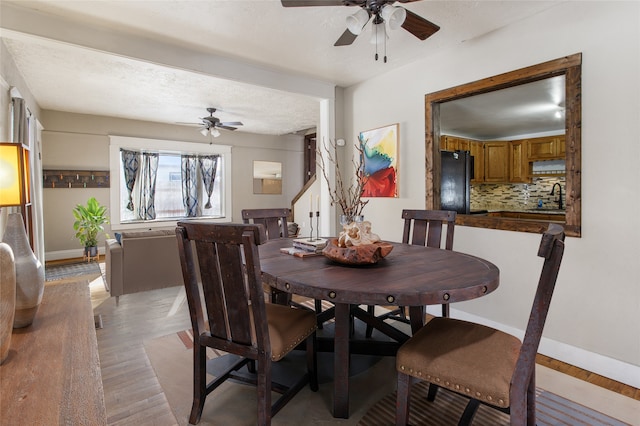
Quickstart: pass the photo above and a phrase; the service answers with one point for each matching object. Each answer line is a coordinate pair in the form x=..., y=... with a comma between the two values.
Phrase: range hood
x=549, y=167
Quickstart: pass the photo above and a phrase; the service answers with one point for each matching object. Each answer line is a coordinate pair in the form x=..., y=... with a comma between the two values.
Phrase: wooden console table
x=52, y=374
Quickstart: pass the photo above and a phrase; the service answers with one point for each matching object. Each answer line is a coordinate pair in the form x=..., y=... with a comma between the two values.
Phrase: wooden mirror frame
x=571, y=68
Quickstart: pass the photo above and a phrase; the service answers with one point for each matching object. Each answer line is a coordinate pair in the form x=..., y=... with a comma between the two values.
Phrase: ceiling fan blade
x=225, y=127
x=346, y=38
x=188, y=124
x=230, y=123
x=302, y=3
x=418, y=26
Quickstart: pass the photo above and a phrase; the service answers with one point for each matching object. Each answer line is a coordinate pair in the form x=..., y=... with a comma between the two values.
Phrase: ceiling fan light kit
x=357, y=21
x=382, y=11
x=378, y=33
x=210, y=125
x=394, y=16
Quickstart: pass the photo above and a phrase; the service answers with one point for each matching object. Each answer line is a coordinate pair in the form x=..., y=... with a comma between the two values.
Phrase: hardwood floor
x=133, y=395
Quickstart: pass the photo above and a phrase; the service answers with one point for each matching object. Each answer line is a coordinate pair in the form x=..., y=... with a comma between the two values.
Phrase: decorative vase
x=29, y=272
x=347, y=219
x=7, y=298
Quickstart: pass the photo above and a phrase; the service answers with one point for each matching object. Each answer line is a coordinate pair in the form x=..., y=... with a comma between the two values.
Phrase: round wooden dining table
x=411, y=275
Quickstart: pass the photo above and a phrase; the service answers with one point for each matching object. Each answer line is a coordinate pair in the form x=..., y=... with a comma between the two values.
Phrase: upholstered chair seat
x=288, y=327
x=486, y=365
x=461, y=356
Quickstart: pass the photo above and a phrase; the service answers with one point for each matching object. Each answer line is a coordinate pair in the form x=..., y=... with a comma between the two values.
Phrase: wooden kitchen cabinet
x=496, y=161
x=546, y=148
x=454, y=143
x=477, y=152
x=518, y=162
x=562, y=147
x=505, y=161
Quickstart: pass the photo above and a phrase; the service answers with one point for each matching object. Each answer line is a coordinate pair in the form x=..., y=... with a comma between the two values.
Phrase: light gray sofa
x=141, y=261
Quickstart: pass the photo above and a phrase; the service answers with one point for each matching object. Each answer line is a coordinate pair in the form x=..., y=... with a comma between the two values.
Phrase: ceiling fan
x=211, y=124
x=378, y=12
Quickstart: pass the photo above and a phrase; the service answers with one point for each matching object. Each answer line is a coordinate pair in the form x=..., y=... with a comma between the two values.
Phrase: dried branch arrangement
x=347, y=195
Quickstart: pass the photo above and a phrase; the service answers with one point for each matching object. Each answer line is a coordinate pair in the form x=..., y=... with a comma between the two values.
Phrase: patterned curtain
x=148, y=187
x=189, y=171
x=20, y=122
x=130, y=163
x=208, y=166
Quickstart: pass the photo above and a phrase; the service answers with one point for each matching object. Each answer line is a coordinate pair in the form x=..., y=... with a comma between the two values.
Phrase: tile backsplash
x=517, y=196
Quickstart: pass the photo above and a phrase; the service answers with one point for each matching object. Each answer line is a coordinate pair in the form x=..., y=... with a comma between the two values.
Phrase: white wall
x=594, y=318
x=10, y=78
x=76, y=141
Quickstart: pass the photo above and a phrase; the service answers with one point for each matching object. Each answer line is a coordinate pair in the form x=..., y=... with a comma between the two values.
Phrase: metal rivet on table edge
x=484, y=289
x=287, y=286
x=332, y=294
x=446, y=296
x=390, y=299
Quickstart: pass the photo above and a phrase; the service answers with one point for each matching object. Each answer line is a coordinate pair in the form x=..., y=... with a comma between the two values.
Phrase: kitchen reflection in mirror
x=523, y=132
x=515, y=138
x=267, y=177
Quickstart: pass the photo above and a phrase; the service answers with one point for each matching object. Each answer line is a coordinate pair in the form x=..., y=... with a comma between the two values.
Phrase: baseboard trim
x=68, y=254
x=611, y=368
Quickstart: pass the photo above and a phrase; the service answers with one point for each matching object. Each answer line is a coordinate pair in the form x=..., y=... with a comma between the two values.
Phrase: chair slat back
x=221, y=263
x=427, y=227
x=274, y=220
x=551, y=249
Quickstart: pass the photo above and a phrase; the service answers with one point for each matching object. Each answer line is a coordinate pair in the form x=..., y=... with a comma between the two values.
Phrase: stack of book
x=302, y=247
x=314, y=246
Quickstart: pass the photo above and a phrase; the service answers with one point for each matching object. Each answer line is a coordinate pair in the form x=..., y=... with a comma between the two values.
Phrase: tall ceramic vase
x=7, y=298
x=29, y=272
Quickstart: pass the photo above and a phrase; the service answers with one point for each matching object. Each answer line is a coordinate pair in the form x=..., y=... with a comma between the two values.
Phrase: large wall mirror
x=526, y=168
x=267, y=177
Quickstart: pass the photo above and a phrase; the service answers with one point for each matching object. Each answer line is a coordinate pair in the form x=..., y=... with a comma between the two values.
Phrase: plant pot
x=91, y=251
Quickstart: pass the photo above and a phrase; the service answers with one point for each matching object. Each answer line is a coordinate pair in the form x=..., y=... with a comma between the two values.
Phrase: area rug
x=235, y=404
x=372, y=396
x=69, y=270
x=551, y=410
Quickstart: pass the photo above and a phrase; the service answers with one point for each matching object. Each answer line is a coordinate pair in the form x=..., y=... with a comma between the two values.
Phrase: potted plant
x=89, y=224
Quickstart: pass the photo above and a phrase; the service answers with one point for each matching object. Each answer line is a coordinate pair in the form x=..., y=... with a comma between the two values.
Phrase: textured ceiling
x=73, y=75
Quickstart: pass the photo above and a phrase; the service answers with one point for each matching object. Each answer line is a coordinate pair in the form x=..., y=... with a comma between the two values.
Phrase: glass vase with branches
x=347, y=194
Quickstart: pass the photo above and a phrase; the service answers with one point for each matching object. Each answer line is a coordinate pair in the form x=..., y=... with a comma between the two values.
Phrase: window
x=168, y=202
x=165, y=204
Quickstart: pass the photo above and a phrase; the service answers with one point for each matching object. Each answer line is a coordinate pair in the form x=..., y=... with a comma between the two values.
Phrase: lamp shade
x=357, y=21
x=378, y=33
x=394, y=16
x=15, y=182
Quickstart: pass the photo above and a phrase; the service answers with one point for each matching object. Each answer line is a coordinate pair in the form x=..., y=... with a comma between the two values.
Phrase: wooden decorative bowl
x=365, y=254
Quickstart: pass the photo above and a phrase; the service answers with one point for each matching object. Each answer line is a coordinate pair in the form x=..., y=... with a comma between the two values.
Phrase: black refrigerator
x=455, y=181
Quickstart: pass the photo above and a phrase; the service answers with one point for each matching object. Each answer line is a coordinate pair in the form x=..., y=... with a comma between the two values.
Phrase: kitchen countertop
x=507, y=210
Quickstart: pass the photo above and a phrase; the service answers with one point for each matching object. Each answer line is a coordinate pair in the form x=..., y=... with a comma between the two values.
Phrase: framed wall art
x=379, y=150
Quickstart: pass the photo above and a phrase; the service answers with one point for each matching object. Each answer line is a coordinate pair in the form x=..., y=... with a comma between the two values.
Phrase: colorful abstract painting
x=380, y=161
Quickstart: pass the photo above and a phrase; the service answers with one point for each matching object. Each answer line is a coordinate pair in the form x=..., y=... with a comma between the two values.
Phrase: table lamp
x=15, y=191
x=15, y=181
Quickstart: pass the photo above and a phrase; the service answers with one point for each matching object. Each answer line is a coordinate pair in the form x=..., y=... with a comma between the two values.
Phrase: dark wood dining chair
x=422, y=227
x=221, y=263
x=274, y=220
x=275, y=223
x=484, y=364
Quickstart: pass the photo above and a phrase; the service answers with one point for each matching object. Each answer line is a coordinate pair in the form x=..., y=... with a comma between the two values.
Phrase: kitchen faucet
x=559, y=194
